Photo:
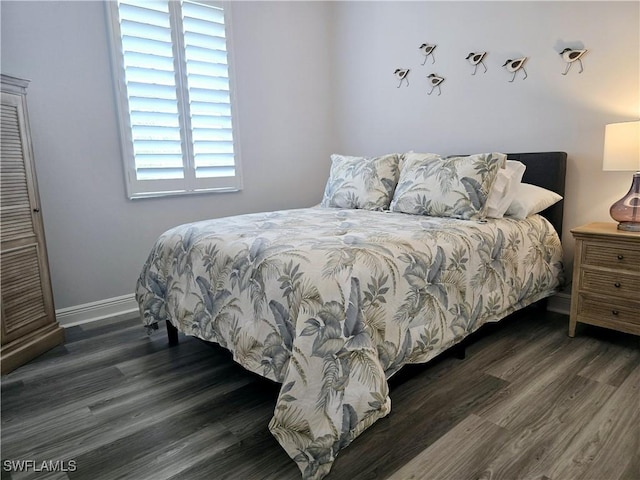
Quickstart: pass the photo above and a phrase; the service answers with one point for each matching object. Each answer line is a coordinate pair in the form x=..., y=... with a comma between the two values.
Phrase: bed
x=331, y=302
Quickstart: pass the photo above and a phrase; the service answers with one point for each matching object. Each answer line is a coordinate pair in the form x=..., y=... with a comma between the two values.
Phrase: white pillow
x=504, y=189
x=531, y=199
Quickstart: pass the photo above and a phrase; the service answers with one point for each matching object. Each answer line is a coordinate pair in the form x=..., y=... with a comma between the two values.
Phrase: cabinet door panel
x=27, y=314
x=15, y=202
x=22, y=292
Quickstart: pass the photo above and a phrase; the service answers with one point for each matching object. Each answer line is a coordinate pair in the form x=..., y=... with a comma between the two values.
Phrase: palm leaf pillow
x=446, y=187
x=361, y=182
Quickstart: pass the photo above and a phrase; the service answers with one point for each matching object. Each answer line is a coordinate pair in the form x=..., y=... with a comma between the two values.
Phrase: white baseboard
x=560, y=303
x=126, y=304
x=94, y=311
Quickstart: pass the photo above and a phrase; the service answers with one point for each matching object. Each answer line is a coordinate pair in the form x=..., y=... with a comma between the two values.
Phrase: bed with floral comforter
x=331, y=302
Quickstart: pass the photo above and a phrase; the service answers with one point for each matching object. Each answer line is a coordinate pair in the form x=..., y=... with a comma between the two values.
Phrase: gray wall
x=314, y=78
x=98, y=239
x=547, y=111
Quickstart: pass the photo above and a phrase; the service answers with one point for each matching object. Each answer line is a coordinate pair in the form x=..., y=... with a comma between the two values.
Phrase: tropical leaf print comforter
x=331, y=302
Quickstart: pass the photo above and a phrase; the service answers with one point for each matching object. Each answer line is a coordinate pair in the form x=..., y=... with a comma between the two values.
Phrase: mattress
x=332, y=302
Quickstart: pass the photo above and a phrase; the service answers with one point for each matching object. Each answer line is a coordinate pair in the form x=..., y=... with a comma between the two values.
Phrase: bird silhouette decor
x=475, y=59
x=434, y=81
x=514, y=66
x=427, y=50
x=571, y=56
x=402, y=74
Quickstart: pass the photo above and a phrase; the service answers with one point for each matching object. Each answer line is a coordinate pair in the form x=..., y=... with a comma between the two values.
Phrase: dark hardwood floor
x=527, y=402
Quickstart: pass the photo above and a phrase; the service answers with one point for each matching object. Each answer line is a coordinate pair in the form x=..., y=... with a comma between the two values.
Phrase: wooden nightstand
x=606, y=278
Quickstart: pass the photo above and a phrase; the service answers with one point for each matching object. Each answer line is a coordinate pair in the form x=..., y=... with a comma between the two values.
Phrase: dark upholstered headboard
x=547, y=170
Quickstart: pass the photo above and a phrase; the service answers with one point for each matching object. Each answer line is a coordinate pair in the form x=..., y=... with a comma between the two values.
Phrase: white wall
x=314, y=78
x=98, y=239
x=545, y=112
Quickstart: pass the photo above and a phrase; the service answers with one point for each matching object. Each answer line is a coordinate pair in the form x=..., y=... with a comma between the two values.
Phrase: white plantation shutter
x=209, y=97
x=175, y=98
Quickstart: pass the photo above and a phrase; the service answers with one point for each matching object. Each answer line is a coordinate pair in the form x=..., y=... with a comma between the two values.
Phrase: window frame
x=189, y=184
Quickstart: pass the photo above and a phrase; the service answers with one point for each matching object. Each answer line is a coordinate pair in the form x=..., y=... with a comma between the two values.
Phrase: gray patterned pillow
x=446, y=187
x=361, y=182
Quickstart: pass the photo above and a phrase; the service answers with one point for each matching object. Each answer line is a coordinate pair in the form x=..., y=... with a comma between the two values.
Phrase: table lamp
x=622, y=153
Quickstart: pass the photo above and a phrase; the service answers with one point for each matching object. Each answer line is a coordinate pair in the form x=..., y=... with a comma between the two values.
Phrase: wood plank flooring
x=527, y=402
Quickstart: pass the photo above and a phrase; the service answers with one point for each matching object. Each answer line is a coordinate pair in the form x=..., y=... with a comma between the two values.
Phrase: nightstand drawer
x=626, y=285
x=611, y=255
x=606, y=278
x=602, y=310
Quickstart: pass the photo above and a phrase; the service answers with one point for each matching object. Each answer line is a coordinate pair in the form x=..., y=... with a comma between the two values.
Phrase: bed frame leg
x=544, y=303
x=541, y=305
x=458, y=351
x=172, y=333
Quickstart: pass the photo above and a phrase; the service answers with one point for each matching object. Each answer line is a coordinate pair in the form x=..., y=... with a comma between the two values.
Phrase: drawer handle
x=620, y=257
x=617, y=284
x=615, y=312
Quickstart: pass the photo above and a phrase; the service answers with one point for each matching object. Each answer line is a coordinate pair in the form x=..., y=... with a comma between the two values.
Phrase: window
x=175, y=97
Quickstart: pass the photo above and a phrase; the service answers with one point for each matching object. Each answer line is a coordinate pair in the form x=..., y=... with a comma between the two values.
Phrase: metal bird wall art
x=434, y=81
x=514, y=66
x=571, y=56
x=402, y=74
x=475, y=59
x=427, y=51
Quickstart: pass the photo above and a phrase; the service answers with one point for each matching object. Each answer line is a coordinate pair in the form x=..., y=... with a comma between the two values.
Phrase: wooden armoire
x=27, y=313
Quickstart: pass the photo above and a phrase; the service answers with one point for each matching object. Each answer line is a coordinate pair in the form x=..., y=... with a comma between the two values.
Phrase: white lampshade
x=622, y=146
